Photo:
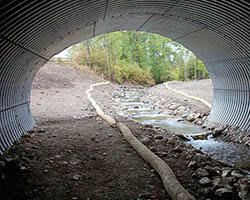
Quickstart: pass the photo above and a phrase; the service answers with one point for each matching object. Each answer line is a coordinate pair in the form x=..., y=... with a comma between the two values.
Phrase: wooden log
x=170, y=182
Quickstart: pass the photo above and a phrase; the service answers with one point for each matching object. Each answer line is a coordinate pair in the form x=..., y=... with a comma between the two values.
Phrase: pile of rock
x=230, y=134
x=223, y=182
x=185, y=113
x=234, y=134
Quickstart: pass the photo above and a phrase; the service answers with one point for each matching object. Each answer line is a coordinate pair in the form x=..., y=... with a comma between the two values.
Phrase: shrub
x=131, y=73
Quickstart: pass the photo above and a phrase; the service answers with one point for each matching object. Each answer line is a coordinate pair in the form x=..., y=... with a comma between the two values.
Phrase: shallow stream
x=131, y=105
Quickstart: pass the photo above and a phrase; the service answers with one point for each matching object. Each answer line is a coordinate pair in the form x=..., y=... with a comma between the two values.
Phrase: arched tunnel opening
x=31, y=33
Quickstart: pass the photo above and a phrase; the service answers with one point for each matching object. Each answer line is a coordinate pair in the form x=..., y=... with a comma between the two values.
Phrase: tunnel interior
x=31, y=32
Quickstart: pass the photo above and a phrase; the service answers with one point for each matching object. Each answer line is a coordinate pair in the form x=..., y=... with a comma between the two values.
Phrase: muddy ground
x=73, y=154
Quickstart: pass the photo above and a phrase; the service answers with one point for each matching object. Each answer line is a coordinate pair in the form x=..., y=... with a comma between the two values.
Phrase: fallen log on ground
x=170, y=182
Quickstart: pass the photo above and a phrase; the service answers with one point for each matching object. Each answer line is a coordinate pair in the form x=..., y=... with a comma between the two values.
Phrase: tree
x=106, y=45
x=164, y=59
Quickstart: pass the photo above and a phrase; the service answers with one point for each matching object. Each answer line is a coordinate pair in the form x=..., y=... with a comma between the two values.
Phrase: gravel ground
x=58, y=92
x=201, y=88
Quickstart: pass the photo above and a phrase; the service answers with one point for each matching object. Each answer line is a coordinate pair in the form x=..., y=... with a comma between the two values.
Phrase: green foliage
x=139, y=57
x=132, y=73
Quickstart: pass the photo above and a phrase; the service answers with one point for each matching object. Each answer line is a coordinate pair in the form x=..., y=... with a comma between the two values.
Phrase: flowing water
x=132, y=106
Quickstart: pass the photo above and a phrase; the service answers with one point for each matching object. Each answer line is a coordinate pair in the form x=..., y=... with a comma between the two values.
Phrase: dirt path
x=74, y=155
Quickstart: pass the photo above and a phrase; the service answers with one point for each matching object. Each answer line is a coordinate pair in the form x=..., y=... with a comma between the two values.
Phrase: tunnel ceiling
x=31, y=32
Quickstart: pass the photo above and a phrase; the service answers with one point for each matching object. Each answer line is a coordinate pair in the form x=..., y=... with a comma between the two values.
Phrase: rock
x=77, y=177
x=212, y=171
x=23, y=169
x=34, y=147
x=171, y=140
x=221, y=183
x=158, y=137
x=145, y=195
x=153, y=149
x=203, y=126
x=104, y=154
x=230, y=180
x=145, y=140
x=185, y=115
x=178, y=149
x=190, y=117
x=198, y=122
x=40, y=130
x=193, y=164
x=176, y=112
x=218, y=131
x=164, y=154
x=91, y=157
x=181, y=108
x=237, y=173
x=196, y=116
x=223, y=192
x=226, y=173
x=183, y=137
x=206, y=113
x=70, y=151
x=201, y=172
x=244, y=186
x=57, y=156
x=27, y=135
x=204, y=118
x=173, y=107
x=148, y=125
x=205, y=181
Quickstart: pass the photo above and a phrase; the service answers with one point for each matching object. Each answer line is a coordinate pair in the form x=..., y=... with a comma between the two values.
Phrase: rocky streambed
x=190, y=126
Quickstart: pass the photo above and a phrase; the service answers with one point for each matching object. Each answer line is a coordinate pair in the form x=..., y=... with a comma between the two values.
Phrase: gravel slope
x=199, y=88
x=58, y=92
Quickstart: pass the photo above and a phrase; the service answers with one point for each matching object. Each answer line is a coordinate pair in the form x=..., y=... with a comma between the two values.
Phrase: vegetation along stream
x=132, y=106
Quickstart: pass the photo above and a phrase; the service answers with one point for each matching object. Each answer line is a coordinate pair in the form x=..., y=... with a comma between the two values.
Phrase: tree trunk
x=116, y=56
x=88, y=49
x=108, y=57
x=195, y=68
x=185, y=70
x=136, y=48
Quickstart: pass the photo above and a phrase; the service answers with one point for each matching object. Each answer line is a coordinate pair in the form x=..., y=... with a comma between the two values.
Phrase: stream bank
x=219, y=180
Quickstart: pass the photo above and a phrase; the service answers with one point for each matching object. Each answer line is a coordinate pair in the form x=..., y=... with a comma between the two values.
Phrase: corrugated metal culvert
x=31, y=32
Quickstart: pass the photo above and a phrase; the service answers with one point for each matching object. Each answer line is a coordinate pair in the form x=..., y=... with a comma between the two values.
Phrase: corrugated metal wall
x=31, y=32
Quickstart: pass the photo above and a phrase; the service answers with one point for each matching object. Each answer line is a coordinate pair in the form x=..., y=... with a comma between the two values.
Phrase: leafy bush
x=132, y=73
